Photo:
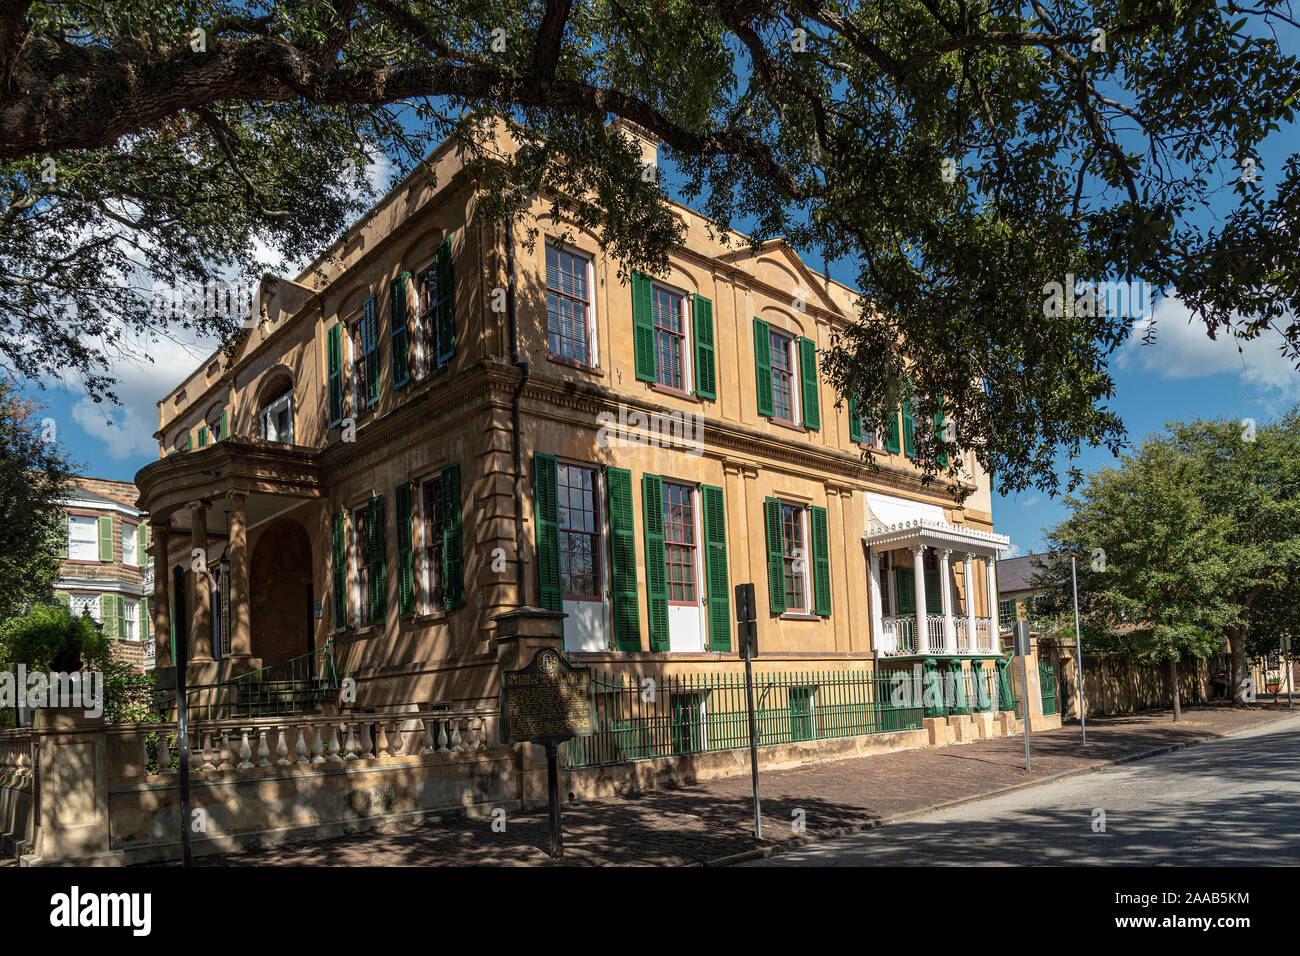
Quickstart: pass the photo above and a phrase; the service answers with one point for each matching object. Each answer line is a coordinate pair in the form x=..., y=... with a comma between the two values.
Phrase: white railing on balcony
x=899, y=635
x=150, y=653
x=983, y=634
x=963, y=634
x=934, y=633
x=310, y=740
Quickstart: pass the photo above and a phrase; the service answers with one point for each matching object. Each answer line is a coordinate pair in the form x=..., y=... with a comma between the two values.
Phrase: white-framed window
x=79, y=604
x=83, y=538
x=130, y=553
x=570, y=306
x=131, y=617
x=671, y=317
x=798, y=563
x=785, y=377
x=277, y=419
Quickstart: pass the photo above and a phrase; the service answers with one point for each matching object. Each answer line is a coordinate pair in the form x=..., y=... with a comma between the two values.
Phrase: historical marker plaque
x=547, y=701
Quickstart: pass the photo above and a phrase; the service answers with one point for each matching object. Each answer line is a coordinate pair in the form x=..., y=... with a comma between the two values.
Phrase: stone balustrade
x=304, y=741
x=16, y=752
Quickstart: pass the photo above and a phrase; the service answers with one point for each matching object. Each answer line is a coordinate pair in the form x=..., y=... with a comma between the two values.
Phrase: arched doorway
x=280, y=591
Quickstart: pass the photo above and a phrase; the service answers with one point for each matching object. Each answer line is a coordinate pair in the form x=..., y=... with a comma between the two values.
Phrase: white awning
x=899, y=523
x=885, y=511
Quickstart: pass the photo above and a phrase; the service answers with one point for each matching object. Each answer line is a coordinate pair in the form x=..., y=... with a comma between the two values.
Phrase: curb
x=759, y=853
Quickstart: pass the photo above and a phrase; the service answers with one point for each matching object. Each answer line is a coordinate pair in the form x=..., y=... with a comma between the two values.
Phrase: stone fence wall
x=1117, y=685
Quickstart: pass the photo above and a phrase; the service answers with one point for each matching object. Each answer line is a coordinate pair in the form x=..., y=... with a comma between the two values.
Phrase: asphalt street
x=1230, y=802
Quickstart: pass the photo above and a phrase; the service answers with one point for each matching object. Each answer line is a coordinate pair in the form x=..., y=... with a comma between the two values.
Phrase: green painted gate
x=1047, y=684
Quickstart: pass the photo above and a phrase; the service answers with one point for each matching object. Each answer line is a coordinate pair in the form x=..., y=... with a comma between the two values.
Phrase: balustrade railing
x=900, y=634
x=984, y=634
x=16, y=752
x=934, y=634
x=963, y=634
x=311, y=740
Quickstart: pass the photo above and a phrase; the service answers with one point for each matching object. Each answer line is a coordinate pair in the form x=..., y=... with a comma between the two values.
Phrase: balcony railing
x=899, y=635
x=934, y=633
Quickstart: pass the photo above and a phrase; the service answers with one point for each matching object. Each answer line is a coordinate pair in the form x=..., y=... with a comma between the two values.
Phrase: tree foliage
x=961, y=155
x=34, y=478
x=1192, y=536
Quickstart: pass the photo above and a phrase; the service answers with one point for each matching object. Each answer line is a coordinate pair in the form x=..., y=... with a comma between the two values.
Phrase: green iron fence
x=298, y=685
x=1047, y=684
x=639, y=717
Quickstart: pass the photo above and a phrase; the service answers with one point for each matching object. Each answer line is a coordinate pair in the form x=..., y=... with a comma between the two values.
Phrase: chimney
x=642, y=138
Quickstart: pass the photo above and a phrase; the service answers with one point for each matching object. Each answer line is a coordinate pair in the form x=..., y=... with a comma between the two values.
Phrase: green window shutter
x=378, y=559
x=643, y=329
x=405, y=555
x=399, y=341
x=108, y=614
x=453, y=564
x=203, y=436
x=622, y=528
x=775, y=555
x=446, y=276
x=763, y=369
x=334, y=352
x=119, y=606
x=903, y=587
x=656, y=560
x=142, y=544
x=105, y=537
x=821, y=567
x=933, y=598
x=891, y=434
x=715, y=567
x=812, y=415
x=548, y=533
x=706, y=373
x=909, y=429
x=224, y=426
x=855, y=421
x=370, y=345
x=189, y=442
x=146, y=622
x=63, y=539
x=63, y=598
x=339, y=543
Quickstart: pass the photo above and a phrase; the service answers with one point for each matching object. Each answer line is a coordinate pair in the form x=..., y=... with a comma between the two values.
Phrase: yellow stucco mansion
x=452, y=423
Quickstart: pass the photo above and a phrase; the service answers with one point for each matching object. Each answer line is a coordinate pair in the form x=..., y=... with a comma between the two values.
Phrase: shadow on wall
x=280, y=580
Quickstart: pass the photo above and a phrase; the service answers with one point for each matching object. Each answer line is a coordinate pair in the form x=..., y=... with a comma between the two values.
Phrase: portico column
x=237, y=548
x=945, y=600
x=918, y=585
x=162, y=612
x=968, y=572
x=200, y=585
x=878, y=642
x=992, y=585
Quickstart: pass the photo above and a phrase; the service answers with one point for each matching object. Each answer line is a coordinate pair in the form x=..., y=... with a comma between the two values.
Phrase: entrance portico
x=903, y=622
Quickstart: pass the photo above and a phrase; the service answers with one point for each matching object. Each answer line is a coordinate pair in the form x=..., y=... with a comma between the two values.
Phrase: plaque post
x=553, y=786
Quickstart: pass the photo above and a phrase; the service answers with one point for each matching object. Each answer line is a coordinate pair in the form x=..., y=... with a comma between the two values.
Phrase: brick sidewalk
x=713, y=820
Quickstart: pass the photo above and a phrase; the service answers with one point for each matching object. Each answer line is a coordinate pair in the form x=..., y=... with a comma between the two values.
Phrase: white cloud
x=127, y=431
x=1183, y=350
x=1013, y=551
x=1030, y=501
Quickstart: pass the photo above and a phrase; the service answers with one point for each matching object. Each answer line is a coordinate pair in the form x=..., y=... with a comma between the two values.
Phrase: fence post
x=73, y=799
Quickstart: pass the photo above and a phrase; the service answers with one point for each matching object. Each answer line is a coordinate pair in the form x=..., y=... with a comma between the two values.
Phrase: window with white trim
x=130, y=553
x=570, y=327
x=83, y=538
x=131, y=617
x=277, y=419
x=798, y=586
x=79, y=604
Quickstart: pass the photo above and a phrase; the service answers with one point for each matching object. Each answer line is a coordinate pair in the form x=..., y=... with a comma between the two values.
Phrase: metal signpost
x=1286, y=661
x=747, y=632
x=547, y=702
x=1078, y=651
x=1021, y=631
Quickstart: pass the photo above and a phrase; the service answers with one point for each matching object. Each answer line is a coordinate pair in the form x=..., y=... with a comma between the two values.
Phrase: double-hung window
x=578, y=514
x=361, y=556
x=680, y=543
x=670, y=339
x=130, y=619
x=783, y=372
x=130, y=540
x=83, y=538
x=795, y=557
x=431, y=504
x=568, y=306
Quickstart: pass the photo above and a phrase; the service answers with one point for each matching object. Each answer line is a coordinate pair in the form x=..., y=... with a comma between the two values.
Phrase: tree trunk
x=1240, y=670
x=1173, y=678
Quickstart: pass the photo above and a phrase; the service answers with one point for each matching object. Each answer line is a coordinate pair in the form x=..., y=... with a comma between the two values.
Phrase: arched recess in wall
x=281, y=596
x=275, y=404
